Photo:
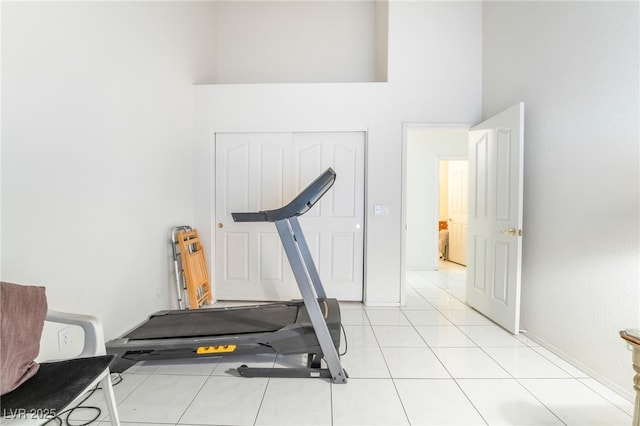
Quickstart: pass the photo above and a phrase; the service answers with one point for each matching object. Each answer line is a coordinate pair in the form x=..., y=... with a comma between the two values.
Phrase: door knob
x=220, y=225
x=512, y=232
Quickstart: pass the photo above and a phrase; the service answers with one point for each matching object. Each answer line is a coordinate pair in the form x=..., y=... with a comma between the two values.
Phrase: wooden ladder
x=195, y=269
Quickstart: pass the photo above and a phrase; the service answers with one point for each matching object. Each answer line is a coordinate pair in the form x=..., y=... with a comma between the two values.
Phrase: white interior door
x=262, y=171
x=458, y=210
x=253, y=173
x=495, y=217
x=335, y=230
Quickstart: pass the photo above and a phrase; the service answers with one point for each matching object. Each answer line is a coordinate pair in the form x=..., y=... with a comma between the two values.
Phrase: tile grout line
x=510, y=375
x=193, y=399
x=449, y=372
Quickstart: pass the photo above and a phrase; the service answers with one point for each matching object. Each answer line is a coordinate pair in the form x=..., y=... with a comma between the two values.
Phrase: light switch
x=380, y=210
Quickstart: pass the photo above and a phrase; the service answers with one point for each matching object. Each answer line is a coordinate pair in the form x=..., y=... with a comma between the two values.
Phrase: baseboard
x=624, y=393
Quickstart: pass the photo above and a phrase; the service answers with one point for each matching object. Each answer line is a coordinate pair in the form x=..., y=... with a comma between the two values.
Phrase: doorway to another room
x=435, y=204
x=494, y=150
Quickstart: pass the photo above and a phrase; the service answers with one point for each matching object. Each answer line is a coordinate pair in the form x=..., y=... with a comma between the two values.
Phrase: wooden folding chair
x=195, y=269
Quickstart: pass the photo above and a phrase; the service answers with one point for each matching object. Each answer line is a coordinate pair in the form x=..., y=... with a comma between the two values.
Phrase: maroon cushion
x=22, y=313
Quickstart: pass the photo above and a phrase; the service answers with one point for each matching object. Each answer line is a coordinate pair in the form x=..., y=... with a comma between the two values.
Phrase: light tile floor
x=433, y=362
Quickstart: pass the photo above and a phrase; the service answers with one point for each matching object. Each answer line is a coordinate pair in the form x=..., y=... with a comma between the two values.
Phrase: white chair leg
x=107, y=388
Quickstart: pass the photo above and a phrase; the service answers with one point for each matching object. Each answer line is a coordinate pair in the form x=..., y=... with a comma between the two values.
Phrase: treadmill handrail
x=296, y=207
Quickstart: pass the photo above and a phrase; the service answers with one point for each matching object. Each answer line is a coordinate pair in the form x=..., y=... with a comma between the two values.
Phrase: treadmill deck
x=215, y=322
x=283, y=327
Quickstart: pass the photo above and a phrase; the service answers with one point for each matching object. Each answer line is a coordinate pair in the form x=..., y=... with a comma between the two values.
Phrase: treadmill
x=311, y=326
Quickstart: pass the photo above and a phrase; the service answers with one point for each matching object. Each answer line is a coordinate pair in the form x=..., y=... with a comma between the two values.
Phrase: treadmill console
x=296, y=207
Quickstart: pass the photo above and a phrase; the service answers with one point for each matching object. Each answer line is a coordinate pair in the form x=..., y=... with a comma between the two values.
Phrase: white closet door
x=262, y=171
x=253, y=173
x=334, y=229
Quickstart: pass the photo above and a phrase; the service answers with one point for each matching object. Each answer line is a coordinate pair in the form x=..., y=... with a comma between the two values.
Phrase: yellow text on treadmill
x=215, y=349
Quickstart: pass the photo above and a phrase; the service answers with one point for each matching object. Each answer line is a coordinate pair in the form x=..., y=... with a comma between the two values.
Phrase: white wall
x=447, y=34
x=299, y=42
x=576, y=67
x=97, y=153
x=97, y=128
x=426, y=146
x=435, y=60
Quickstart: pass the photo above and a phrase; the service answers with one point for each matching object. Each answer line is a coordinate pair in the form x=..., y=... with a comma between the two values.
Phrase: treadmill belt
x=209, y=322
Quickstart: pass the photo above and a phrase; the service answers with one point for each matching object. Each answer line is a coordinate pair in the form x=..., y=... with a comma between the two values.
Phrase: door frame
x=210, y=243
x=435, y=128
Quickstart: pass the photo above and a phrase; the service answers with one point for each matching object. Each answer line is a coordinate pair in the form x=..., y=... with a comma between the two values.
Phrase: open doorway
x=494, y=150
x=424, y=146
